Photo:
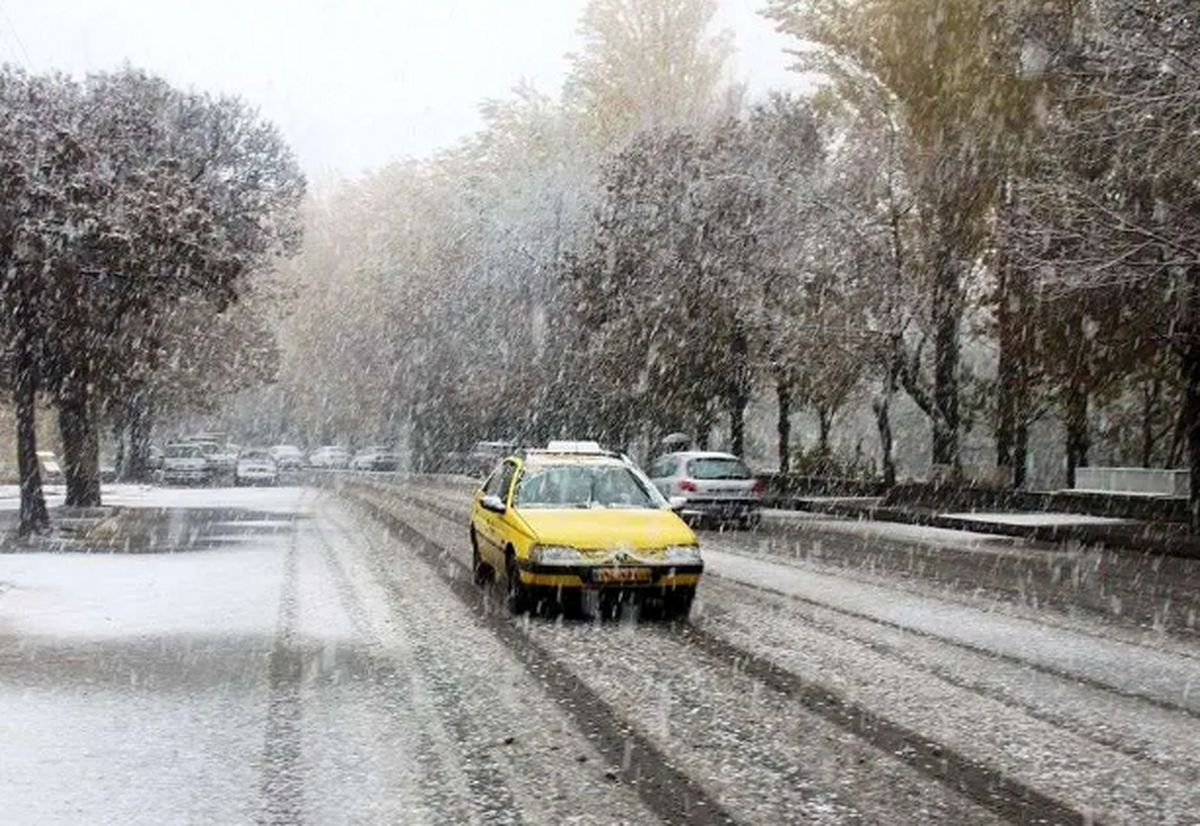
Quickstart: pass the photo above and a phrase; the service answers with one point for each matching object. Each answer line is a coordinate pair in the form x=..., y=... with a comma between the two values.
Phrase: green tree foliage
x=646, y=65
x=949, y=73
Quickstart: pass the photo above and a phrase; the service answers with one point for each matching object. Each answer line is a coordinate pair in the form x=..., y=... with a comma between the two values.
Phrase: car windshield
x=581, y=486
x=717, y=467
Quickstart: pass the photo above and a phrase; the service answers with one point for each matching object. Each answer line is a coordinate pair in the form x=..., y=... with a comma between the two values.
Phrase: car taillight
x=688, y=485
x=757, y=487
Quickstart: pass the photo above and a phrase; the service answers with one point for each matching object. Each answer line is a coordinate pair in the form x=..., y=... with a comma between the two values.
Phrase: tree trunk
x=1189, y=365
x=737, y=427
x=1078, y=441
x=34, y=518
x=1008, y=310
x=825, y=426
x=1020, y=454
x=704, y=426
x=140, y=419
x=81, y=444
x=1150, y=399
x=740, y=391
x=1012, y=427
x=1190, y=360
x=882, y=406
x=946, y=308
x=122, y=457
x=883, y=421
x=783, y=393
x=945, y=368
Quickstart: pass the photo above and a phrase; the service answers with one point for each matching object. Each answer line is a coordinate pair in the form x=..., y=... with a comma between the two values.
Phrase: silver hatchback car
x=716, y=487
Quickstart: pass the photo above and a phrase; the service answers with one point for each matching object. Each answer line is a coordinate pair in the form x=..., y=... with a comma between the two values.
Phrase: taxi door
x=491, y=526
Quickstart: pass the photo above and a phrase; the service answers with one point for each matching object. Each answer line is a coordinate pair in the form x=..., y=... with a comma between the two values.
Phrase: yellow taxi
x=573, y=519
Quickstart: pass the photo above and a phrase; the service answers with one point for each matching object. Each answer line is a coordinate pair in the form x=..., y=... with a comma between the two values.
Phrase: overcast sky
x=352, y=84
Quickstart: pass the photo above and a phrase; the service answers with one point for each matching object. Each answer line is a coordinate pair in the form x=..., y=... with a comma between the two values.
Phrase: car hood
x=606, y=528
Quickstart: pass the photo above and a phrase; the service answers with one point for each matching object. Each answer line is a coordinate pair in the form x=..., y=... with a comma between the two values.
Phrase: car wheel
x=679, y=603
x=516, y=596
x=480, y=571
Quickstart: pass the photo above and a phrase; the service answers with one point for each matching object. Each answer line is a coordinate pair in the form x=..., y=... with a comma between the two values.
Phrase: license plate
x=623, y=574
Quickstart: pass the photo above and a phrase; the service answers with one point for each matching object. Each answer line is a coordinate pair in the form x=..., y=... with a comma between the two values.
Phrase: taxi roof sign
x=563, y=446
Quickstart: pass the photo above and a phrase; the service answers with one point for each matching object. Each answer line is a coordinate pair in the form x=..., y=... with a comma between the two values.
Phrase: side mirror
x=493, y=503
x=677, y=503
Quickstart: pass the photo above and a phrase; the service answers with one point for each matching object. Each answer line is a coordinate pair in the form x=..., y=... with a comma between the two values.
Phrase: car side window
x=661, y=468
x=505, y=480
x=495, y=484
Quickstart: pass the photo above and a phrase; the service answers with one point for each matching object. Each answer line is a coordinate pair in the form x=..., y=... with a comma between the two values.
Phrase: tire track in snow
x=282, y=773
x=387, y=672
x=988, y=786
x=489, y=791
x=665, y=790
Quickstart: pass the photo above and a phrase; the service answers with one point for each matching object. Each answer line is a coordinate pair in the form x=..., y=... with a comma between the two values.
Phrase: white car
x=184, y=463
x=287, y=457
x=330, y=457
x=711, y=486
x=225, y=458
x=255, y=467
x=378, y=458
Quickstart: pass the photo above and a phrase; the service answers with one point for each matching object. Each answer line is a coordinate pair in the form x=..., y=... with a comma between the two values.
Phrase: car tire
x=679, y=603
x=481, y=573
x=517, y=597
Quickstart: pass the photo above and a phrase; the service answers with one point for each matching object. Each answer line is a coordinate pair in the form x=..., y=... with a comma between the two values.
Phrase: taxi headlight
x=556, y=555
x=681, y=553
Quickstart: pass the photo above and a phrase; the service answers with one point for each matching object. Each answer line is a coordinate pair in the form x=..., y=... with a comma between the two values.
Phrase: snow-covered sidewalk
x=1036, y=519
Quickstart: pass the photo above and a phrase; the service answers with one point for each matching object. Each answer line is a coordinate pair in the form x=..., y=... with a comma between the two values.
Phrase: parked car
x=376, y=458
x=255, y=467
x=287, y=457
x=51, y=470
x=709, y=486
x=225, y=458
x=329, y=457
x=573, y=518
x=185, y=463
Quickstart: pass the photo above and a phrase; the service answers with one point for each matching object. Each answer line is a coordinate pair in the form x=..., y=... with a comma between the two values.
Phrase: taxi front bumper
x=611, y=576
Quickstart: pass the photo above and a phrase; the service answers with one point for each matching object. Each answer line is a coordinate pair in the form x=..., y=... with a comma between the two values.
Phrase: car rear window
x=717, y=468
x=183, y=451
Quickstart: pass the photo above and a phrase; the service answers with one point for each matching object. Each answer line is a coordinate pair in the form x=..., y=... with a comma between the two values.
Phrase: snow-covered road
x=325, y=659
x=312, y=676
